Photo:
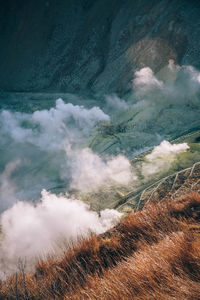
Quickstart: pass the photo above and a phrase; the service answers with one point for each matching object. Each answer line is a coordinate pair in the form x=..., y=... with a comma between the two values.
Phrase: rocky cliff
x=85, y=45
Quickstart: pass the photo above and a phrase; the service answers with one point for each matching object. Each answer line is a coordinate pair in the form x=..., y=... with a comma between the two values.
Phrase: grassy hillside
x=151, y=254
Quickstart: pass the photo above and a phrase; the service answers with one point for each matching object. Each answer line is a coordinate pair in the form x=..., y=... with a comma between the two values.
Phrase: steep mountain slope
x=152, y=253
x=86, y=45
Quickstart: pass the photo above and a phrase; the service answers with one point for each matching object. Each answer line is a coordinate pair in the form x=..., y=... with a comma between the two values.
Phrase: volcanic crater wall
x=85, y=45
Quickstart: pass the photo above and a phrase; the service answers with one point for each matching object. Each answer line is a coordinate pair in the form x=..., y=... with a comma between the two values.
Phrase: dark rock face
x=85, y=45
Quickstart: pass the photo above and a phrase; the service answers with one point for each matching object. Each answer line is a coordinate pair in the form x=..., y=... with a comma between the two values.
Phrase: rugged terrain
x=125, y=76
x=83, y=45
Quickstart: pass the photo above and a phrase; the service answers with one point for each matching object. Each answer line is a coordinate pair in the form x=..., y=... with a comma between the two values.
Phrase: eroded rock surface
x=92, y=45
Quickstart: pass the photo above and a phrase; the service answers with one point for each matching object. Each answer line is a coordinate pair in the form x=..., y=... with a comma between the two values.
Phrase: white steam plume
x=30, y=231
x=162, y=157
x=52, y=129
x=90, y=171
x=39, y=140
x=145, y=79
x=173, y=82
x=161, y=108
x=7, y=189
x=114, y=103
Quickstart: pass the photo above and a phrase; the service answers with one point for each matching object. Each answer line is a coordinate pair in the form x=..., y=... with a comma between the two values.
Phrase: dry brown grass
x=151, y=254
x=169, y=269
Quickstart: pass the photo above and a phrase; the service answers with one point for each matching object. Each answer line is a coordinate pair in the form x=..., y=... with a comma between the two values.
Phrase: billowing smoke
x=114, y=104
x=7, y=190
x=173, y=82
x=90, y=171
x=55, y=150
x=162, y=158
x=48, y=150
x=145, y=81
x=39, y=140
x=32, y=231
x=166, y=149
x=52, y=129
x=161, y=106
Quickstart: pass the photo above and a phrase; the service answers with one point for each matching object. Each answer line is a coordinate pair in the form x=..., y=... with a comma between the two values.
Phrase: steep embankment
x=151, y=253
x=92, y=45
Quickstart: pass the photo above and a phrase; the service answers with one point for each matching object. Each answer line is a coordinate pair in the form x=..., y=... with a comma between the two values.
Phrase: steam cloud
x=162, y=157
x=30, y=231
x=40, y=139
x=173, y=82
x=52, y=129
x=49, y=148
x=162, y=106
x=7, y=190
x=114, y=104
x=90, y=171
x=53, y=137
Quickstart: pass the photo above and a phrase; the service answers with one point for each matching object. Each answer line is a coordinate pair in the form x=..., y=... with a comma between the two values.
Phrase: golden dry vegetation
x=151, y=254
